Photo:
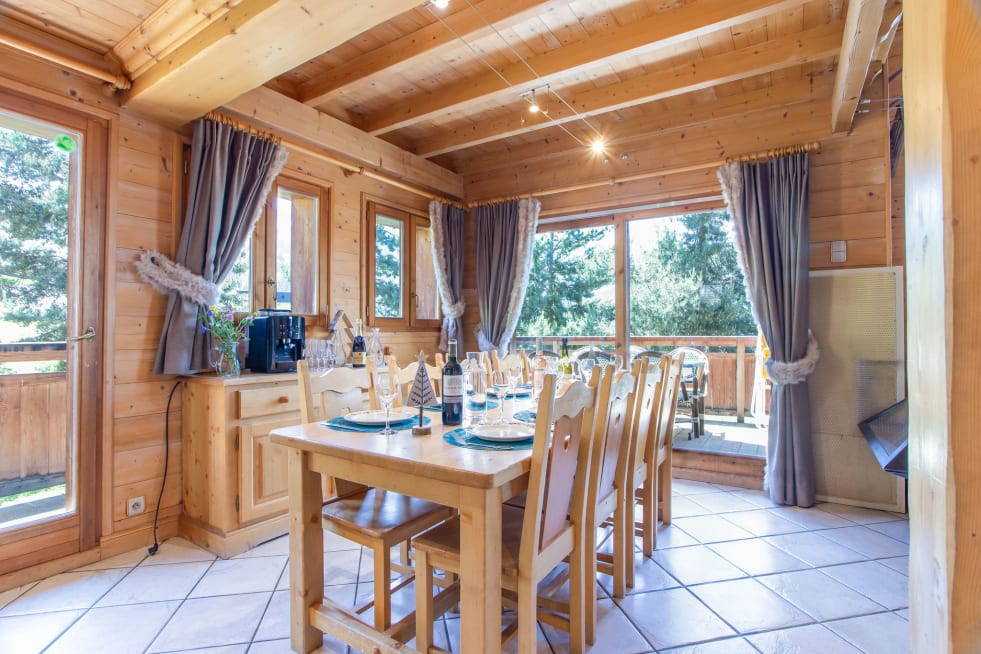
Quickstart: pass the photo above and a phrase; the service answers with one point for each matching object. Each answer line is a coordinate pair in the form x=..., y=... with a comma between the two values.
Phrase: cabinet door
x=262, y=484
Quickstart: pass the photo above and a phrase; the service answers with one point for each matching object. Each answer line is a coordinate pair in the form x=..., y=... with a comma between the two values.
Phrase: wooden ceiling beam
x=252, y=43
x=857, y=47
x=766, y=57
x=422, y=42
x=293, y=120
x=660, y=30
x=622, y=134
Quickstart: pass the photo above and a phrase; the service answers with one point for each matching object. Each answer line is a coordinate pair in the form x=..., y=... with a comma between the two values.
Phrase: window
x=402, y=288
x=278, y=267
x=571, y=289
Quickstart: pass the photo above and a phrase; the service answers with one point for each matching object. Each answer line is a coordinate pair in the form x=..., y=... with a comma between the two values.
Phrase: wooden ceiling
x=448, y=84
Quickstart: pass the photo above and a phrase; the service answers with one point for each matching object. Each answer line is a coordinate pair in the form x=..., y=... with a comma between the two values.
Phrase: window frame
x=264, y=247
x=412, y=220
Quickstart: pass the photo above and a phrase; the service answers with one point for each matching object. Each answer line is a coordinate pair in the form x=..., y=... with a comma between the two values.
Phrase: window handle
x=270, y=282
x=87, y=336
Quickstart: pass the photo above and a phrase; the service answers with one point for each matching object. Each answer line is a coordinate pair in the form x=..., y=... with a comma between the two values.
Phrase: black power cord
x=156, y=514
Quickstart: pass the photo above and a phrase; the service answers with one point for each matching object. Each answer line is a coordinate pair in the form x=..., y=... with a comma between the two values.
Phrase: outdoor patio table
x=472, y=481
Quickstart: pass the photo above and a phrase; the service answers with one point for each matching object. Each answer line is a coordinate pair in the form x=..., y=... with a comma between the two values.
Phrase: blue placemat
x=340, y=424
x=473, y=406
x=520, y=394
x=461, y=438
x=525, y=416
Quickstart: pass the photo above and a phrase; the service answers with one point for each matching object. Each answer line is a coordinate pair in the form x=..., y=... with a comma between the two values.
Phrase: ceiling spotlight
x=440, y=4
x=598, y=146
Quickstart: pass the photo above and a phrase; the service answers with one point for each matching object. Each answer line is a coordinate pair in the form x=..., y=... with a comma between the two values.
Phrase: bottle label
x=452, y=388
x=358, y=359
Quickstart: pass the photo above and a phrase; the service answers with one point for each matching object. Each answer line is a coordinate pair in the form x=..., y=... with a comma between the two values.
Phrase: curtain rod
x=348, y=168
x=662, y=172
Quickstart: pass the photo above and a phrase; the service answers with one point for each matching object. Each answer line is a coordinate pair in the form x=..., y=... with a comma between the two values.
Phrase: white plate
x=515, y=432
x=378, y=417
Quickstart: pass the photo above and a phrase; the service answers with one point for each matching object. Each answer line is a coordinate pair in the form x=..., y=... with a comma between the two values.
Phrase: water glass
x=501, y=383
x=586, y=368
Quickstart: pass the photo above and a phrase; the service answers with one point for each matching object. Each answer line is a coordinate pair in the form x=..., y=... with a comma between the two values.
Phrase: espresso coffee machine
x=276, y=341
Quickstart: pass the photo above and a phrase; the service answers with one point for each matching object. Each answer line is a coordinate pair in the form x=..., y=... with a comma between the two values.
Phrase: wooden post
x=740, y=381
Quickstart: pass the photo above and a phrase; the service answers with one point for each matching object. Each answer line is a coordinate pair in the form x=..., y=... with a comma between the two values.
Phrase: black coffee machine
x=276, y=341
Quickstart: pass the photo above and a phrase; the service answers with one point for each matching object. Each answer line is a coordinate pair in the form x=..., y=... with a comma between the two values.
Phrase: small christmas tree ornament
x=421, y=394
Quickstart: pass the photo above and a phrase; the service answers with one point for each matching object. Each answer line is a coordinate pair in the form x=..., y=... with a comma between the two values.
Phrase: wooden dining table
x=475, y=482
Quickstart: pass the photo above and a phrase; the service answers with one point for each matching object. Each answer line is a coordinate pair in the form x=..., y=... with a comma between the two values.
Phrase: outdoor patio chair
x=694, y=387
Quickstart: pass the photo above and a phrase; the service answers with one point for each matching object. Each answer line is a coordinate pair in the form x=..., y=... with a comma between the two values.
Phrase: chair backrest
x=667, y=405
x=559, y=467
x=647, y=397
x=612, y=434
x=502, y=364
x=332, y=393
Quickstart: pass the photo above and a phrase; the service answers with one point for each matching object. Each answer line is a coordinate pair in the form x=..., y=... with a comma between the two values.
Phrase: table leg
x=306, y=551
x=480, y=578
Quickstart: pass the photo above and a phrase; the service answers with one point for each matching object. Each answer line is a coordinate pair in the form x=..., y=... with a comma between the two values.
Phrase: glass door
x=49, y=334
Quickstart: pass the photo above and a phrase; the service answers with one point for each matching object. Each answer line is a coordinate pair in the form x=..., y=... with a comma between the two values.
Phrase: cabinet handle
x=283, y=399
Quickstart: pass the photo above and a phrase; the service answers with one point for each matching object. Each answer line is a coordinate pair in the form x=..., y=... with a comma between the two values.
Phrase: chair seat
x=377, y=514
x=443, y=540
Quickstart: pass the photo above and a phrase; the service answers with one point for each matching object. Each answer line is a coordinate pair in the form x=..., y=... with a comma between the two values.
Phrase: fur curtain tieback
x=165, y=276
x=794, y=372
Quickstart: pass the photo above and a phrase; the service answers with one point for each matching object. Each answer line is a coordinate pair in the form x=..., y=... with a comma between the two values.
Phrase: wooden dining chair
x=534, y=539
x=502, y=364
x=606, y=492
x=647, y=391
x=371, y=517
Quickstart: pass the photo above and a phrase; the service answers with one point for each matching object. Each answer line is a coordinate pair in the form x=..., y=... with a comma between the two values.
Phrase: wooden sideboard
x=234, y=478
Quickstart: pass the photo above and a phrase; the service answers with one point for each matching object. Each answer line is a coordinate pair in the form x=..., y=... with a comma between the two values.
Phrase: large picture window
x=401, y=278
x=278, y=268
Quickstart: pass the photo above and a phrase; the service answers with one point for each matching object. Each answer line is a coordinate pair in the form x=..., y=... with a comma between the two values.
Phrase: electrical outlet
x=135, y=505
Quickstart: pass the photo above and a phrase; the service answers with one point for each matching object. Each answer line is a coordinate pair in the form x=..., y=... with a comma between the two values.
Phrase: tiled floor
x=733, y=574
x=723, y=435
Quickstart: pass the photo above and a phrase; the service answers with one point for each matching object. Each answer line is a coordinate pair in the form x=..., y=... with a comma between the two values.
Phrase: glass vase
x=224, y=359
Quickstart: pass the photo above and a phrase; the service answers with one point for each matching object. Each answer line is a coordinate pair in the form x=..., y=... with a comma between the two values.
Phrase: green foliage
x=220, y=321
x=689, y=282
x=570, y=291
x=33, y=235
x=388, y=268
x=686, y=283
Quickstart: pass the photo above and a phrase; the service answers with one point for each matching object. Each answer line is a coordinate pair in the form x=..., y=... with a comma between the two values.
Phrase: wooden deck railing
x=732, y=362
x=33, y=408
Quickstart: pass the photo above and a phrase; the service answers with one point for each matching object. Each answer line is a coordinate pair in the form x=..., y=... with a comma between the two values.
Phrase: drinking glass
x=477, y=383
x=501, y=383
x=386, y=387
x=514, y=377
x=586, y=368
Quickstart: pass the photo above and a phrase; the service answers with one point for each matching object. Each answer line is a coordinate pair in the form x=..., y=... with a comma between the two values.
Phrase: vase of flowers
x=226, y=334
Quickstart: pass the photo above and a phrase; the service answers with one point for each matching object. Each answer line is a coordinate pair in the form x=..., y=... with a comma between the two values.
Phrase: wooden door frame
x=90, y=274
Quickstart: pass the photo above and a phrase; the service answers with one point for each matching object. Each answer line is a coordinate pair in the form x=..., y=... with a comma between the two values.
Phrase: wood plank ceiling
x=452, y=85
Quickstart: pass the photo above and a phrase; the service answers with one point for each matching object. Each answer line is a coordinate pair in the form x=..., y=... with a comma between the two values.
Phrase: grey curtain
x=769, y=206
x=231, y=172
x=447, y=224
x=505, y=244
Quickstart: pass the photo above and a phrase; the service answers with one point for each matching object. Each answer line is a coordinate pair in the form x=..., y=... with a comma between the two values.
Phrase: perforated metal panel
x=857, y=318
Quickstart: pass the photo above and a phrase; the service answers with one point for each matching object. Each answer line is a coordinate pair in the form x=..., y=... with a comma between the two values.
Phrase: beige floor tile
x=763, y=522
x=671, y=618
x=757, y=557
x=812, y=518
x=883, y=633
x=672, y=535
x=898, y=529
x=122, y=629
x=860, y=514
x=178, y=550
x=211, y=622
x=811, y=638
x=696, y=565
x=275, y=547
x=648, y=576
x=453, y=634
x=8, y=596
x=726, y=646
x=29, y=634
x=70, y=590
x=813, y=549
x=711, y=528
x=818, y=595
x=155, y=583
x=898, y=563
x=235, y=576
x=614, y=633
x=124, y=560
x=722, y=502
x=866, y=541
x=877, y=582
x=749, y=606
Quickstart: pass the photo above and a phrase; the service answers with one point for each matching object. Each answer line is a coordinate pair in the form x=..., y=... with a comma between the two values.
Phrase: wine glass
x=501, y=383
x=586, y=368
x=386, y=387
x=515, y=377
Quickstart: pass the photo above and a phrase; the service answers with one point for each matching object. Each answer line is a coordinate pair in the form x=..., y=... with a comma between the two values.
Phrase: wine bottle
x=539, y=366
x=564, y=362
x=452, y=387
x=358, y=349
